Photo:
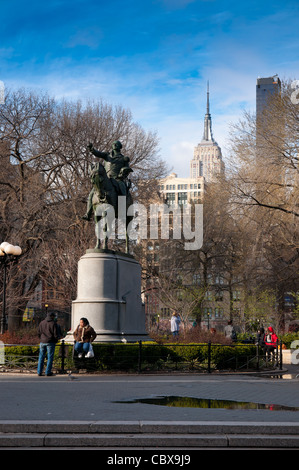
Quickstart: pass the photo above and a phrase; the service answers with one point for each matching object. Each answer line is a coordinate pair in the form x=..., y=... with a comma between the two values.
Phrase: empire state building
x=207, y=158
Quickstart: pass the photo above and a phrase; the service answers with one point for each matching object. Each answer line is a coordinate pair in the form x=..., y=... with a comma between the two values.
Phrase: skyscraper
x=265, y=88
x=207, y=159
x=205, y=165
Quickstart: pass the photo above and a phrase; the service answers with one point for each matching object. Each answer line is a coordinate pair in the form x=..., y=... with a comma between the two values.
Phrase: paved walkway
x=101, y=411
x=102, y=397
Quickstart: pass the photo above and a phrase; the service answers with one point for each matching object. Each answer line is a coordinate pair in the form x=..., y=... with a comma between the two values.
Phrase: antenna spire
x=208, y=98
x=207, y=135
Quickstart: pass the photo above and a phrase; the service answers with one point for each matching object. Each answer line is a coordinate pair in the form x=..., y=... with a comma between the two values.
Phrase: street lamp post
x=9, y=254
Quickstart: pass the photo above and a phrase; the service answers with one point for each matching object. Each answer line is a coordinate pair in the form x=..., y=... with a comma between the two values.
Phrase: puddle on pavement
x=284, y=376
x=278, y=375
x=192, y=402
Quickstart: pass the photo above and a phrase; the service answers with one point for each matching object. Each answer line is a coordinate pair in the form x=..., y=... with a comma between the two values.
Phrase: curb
x=147, y=434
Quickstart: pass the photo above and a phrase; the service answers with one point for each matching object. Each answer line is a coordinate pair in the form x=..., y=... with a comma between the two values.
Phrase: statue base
x=109, y=296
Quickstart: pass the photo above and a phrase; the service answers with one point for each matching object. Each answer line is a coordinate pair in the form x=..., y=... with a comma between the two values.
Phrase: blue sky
x=153, y=57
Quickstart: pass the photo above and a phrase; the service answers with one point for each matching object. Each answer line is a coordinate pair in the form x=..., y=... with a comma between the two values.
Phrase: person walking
x=175, y=324
x=84, y=334
x=48, y=332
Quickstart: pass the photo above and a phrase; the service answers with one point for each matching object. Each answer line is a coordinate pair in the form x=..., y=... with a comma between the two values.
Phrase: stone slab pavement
x=84, y=411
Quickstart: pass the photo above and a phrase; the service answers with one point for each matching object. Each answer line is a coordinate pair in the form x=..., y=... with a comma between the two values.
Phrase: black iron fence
x=146, y=357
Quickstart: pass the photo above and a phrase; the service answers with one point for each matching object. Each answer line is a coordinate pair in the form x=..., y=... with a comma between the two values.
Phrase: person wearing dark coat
x=260, y=338
x=48, y=332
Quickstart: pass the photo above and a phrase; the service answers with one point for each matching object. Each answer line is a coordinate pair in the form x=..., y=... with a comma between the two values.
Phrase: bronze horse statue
x=104, y=196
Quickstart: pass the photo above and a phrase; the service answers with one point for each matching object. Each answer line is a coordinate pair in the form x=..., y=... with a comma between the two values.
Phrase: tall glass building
x=265, y=88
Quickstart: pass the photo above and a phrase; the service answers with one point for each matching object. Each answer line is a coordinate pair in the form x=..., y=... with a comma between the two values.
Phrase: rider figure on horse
x=117, y=169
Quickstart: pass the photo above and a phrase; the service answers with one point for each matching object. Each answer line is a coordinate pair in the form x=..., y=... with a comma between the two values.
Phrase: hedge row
x=152, y=356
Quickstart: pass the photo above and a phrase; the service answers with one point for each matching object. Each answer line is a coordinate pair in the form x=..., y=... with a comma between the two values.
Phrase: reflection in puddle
x=285, y=376
x=191, y=402
x=276, y=376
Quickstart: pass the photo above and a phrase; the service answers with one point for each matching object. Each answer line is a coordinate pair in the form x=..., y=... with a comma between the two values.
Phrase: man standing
x=175, y=324
x=48, y=333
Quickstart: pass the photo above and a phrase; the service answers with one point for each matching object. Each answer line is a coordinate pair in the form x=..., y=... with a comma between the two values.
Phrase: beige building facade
x=181, y=191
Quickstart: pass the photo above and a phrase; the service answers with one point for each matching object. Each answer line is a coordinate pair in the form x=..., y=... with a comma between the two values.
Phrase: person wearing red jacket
x=271, y=341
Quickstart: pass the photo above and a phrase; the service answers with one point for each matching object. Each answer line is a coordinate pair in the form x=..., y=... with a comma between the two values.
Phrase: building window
x=218, y=296
x=207, y=312
x=165, y=311
x=182, y=198
x=170, y=198
x=209, y=295
x=236, y=296
x=218, y=312
x=219, y=279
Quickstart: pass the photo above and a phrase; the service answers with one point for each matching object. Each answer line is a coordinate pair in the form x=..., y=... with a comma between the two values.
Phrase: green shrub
x=20, y=351
x=231, y=357
x=288, y=338
x=120, y=356
x=188, y=352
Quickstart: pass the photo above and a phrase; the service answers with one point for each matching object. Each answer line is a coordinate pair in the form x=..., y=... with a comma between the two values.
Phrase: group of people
x=267, y=340
x=49, y=333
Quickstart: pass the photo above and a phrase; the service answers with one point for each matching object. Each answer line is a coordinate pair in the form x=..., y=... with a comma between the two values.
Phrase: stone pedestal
x=109, y=296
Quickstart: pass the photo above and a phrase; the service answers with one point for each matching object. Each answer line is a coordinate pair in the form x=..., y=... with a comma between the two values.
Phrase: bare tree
x=44, y=183
x=264, y=189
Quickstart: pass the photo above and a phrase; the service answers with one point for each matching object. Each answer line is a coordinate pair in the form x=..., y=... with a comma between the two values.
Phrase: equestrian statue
x=109, y=181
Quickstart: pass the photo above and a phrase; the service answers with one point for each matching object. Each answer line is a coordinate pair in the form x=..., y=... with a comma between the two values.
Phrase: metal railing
x=144, y=357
